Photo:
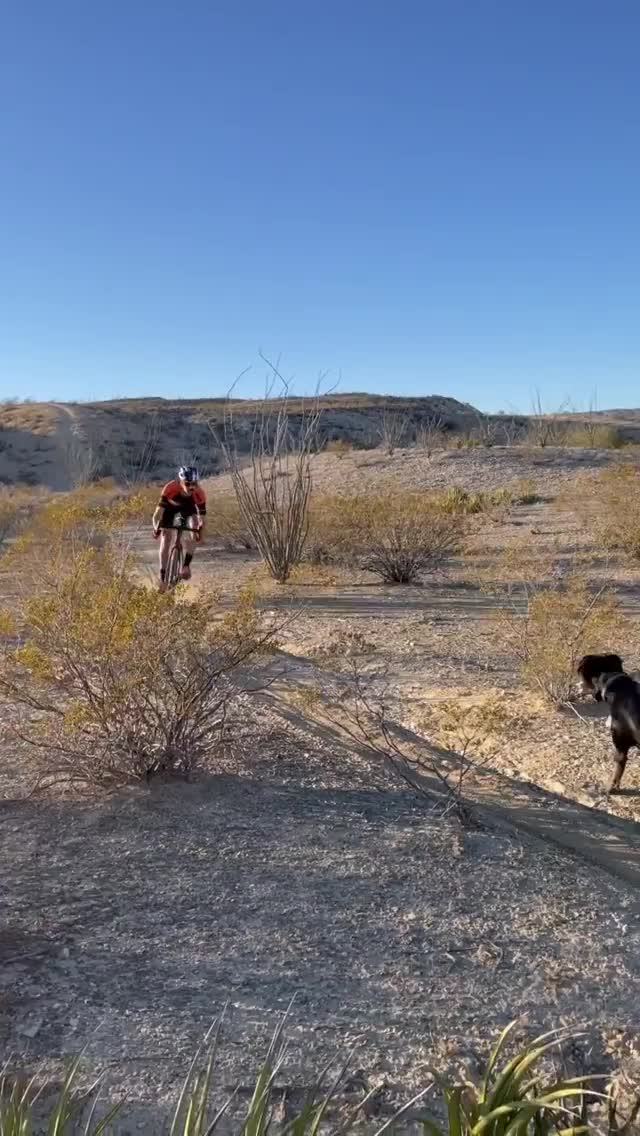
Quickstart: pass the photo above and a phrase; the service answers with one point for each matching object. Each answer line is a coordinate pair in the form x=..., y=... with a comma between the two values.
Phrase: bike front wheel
x=174, y=567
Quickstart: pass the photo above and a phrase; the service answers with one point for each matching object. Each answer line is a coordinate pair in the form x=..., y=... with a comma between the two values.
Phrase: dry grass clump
x=526, y=492
x=16, y=510
x=339, y=447
x=397, y=536
x=58, y=529
x=9, y=518
x=550, y=615
x=118, y=681
x=475, y=726
x=344, y=642
x=11, y=515
x=594, y=436
x=55, y=532
x=400, y=536
x=460, y=501
x=609, y=504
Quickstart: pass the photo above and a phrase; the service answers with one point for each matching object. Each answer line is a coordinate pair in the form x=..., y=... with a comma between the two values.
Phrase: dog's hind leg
x=623, y=745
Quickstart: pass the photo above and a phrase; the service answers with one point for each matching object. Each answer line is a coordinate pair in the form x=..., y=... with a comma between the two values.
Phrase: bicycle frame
x=176, y=554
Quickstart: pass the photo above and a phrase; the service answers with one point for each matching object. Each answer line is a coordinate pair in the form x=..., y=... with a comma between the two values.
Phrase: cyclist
x=185, y=499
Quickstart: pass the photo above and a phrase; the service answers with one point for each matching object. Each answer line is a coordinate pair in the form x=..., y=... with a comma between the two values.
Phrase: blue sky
x=424, y=196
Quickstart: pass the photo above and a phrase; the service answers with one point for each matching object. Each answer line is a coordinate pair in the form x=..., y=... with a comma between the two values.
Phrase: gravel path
x=130, y=922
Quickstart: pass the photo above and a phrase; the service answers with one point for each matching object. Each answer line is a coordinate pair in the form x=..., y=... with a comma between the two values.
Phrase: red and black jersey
x=173, y=496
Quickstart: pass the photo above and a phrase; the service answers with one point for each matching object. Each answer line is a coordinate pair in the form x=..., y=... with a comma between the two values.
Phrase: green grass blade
x=188, y=1082
x=202, y=1098
x=508, y=1085
x=103, y=1124
x=63, y=1111
x=493, y=1058
x=256, y=1122
x=501, y=1111
x=257, y=1119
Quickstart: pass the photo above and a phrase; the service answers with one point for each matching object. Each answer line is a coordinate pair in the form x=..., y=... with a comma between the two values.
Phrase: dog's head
x=591, y=668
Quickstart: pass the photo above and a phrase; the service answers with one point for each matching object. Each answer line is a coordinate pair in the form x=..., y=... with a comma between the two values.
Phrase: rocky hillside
x=57, y=445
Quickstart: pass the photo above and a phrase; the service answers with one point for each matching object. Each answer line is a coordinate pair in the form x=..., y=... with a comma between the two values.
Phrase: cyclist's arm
x=164, y=503
x=201, y=502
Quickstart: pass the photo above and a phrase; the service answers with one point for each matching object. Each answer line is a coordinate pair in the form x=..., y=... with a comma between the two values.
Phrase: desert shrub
x=59, y=528
x=432, y=434
x=274, y=491
x=546, y=428
x=11, y=512
x=525, y=492
x=467, y=440
x=459, y=502
x=339, y=447
x=123, y=682
x=397, y=536
x=472, y=727
x=610, y=505
x=392, y=428
x=344, y=642
x=550, y=626
x=594, y=436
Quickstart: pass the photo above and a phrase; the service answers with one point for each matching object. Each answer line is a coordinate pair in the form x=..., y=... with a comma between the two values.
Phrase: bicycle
x=176, y=556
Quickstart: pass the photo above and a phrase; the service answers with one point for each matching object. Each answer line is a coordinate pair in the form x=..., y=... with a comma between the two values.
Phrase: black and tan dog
x=622, y=695
x=592, y=667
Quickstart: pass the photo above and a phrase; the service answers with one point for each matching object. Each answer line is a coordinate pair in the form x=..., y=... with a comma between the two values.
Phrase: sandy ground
x=130, y=921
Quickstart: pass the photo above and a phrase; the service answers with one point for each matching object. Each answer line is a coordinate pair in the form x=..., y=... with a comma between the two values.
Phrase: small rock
x=31, y=1028
x=556, y=787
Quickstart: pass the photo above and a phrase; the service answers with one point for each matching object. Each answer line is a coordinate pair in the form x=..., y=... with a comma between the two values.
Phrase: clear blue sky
x=428, y=196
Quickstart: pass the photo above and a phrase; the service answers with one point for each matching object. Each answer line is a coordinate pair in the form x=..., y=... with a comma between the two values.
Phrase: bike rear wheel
x=174, y=567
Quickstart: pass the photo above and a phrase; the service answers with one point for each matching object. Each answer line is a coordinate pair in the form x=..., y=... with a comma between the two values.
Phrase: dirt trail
x=69, y=435
x=608, y=842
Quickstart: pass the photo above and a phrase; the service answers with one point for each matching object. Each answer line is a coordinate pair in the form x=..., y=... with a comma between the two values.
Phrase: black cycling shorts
x=170, y=512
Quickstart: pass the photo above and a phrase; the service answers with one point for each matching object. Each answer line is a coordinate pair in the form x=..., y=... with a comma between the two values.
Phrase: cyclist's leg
x=167, y=540
x=189, y=545
x=189, y=538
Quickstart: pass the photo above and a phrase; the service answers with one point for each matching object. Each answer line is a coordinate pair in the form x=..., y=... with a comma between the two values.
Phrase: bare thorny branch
x=273, y=487
x=393, y=428
x=362, y=713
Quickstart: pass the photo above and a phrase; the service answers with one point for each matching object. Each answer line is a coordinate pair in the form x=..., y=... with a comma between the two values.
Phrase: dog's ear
x=599, y=686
